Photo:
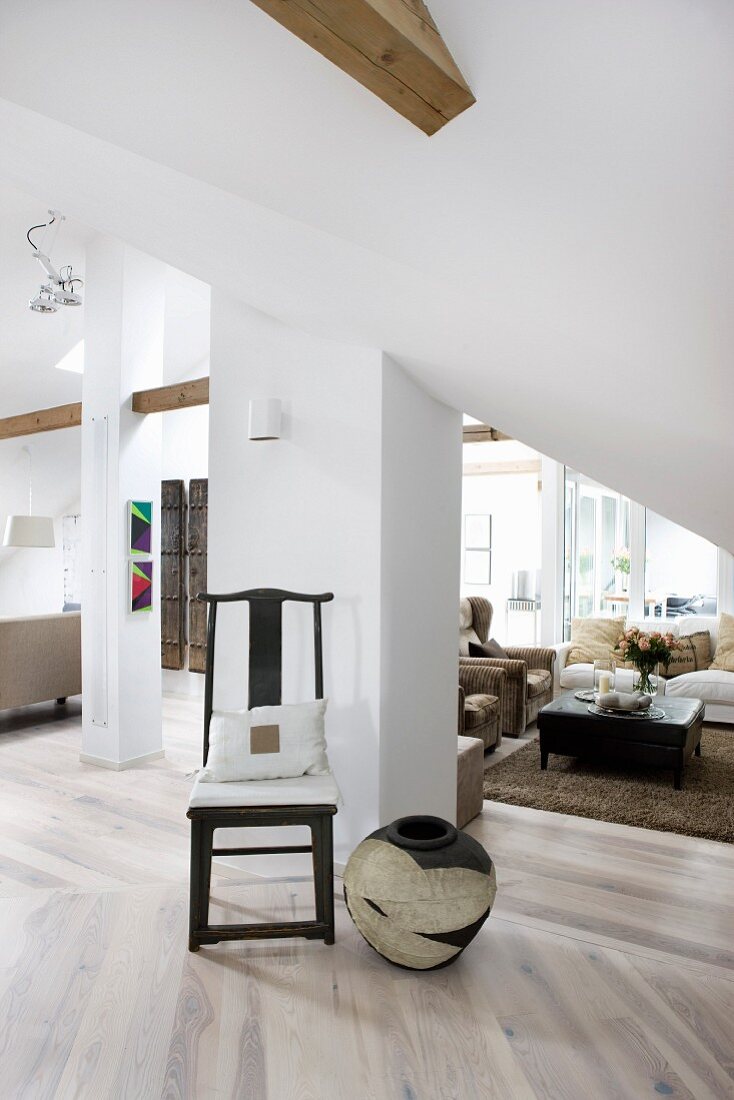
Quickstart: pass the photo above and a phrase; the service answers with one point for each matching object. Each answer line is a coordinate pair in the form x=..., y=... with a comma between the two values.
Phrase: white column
x=420, y=567
x=121, y=461
x=638, y=541
x=359, y=496
x=725, y=585
x=552, y=552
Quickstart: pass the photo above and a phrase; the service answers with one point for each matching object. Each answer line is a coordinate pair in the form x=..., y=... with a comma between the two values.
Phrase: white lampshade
x=264, y=418
x=29, y=531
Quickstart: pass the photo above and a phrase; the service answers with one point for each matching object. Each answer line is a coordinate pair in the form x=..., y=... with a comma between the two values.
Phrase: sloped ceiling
x=558, y=260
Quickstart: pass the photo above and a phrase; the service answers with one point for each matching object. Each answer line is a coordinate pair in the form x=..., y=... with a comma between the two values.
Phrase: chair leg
x=328, y=858
x=202, y=834
x=323, y=873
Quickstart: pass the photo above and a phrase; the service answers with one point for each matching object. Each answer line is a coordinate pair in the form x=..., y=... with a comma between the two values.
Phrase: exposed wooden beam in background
x=42, y=420
x=519, y=466
x=392, y=47
x=182, y=395
x=482, y=433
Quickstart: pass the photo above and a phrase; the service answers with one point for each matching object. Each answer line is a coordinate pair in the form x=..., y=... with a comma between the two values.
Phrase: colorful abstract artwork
x=141, y=586
x=140, y=521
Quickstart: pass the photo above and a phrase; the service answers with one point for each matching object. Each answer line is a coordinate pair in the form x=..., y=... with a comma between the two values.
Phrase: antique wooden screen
x=173, y=574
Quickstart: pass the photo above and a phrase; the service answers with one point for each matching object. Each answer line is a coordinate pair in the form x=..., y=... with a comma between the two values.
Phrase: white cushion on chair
x=275, y=742
x=303, y=790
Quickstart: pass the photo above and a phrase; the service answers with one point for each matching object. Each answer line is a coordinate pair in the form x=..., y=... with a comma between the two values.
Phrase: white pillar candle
x=604, y=683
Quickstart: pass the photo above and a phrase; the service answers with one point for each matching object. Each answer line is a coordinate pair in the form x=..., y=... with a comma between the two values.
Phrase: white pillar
x=361, y=495
x=638, y=541
x=121, y=461
x=552, y=552
x=725, y=583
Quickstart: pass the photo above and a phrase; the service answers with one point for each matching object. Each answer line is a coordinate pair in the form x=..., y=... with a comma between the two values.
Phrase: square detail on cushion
x=280, y=742
x=724, y=656
x=593, y=640
x=264, y=739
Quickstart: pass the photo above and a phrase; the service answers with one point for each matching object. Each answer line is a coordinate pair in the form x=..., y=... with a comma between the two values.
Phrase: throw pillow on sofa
x=724, y=656
x=267, y=743
x=693, y=656
x=491, y=648
x=593, y=640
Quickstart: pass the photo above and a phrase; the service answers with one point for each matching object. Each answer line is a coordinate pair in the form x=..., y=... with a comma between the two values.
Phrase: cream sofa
x=40, y=658
x=715, y=688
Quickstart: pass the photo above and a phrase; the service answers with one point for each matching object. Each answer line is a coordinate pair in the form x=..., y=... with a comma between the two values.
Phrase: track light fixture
x=60, y=289
x=44, y=301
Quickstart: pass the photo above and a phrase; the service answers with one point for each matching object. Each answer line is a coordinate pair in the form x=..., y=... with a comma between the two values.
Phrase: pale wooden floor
x=605, y=971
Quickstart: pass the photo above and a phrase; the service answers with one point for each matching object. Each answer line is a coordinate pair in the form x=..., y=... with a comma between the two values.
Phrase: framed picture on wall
x=477, y=549
x=141, y=586
x=140, y=527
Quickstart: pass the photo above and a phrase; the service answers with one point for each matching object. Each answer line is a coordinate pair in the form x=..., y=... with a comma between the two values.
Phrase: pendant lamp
x=29, y=530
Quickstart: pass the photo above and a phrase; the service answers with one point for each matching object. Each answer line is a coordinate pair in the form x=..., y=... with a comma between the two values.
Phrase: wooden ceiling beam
x=483, y=433
x=181, y=395
x=391, y=47
x=42, y=420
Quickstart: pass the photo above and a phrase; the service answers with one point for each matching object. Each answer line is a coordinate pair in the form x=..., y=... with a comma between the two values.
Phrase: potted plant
x=621, y=564
x=646, y=652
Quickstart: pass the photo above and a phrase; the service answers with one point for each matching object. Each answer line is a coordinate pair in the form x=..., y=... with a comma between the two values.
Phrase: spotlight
x=59, y=291
x=67, y=297
x=44, y=301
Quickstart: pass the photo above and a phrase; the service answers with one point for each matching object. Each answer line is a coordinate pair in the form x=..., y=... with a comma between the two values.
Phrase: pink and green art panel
x=141, y=586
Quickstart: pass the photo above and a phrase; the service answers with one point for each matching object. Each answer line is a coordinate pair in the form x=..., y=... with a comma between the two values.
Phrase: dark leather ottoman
x=566, y=727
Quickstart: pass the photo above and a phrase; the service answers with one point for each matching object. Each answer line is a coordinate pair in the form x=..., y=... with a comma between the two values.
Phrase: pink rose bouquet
x=645, y=651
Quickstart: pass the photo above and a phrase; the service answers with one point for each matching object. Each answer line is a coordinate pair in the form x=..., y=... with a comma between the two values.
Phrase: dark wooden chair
x=308, y=800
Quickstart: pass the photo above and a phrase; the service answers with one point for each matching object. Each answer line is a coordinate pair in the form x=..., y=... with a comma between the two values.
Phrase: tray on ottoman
x=566, y=727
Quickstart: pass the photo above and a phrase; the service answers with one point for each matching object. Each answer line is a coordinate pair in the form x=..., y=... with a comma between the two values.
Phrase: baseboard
x=121, y=765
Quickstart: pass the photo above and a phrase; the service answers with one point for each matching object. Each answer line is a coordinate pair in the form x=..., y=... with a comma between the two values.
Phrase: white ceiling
x=559, y=260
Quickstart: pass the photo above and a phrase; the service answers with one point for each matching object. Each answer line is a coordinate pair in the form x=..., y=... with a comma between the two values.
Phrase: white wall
x=185, y=439
x=32, y=581
x=513, y=501
x=306, y=512
x=301, y=513
x=421, y=499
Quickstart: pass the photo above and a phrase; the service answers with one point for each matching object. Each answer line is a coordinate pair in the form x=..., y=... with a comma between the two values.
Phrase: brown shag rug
x=629, y=795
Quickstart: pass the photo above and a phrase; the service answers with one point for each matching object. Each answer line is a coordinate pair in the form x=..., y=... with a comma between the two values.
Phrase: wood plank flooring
x=605, y=971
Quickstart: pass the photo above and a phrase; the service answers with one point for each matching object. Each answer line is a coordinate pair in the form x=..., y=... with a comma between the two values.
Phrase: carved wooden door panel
x=197, y=546
x=173, y=575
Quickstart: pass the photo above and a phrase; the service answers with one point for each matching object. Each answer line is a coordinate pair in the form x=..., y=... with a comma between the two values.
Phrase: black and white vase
x=419, y=890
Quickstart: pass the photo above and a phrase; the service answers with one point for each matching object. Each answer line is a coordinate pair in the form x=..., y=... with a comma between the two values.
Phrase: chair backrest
x=475, y=620
x=265, y=666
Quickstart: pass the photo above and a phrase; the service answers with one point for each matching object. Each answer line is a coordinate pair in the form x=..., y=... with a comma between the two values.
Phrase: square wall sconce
x=265, y=418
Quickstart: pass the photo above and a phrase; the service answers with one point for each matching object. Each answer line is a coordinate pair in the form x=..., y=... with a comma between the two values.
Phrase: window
x=605, y=551
x=681, y=570
x=597, y=536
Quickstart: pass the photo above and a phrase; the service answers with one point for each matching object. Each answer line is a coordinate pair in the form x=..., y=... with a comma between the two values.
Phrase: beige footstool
x=469, y=780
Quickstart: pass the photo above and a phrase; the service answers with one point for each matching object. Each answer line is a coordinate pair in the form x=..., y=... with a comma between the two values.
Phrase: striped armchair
x=481, y=697
x=529, y=669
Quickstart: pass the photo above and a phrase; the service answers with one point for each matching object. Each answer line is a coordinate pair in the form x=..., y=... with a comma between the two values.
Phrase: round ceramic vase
x=419, y=890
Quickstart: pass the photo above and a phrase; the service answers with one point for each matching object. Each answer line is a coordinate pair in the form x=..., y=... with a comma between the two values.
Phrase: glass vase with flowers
x=646, y=651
